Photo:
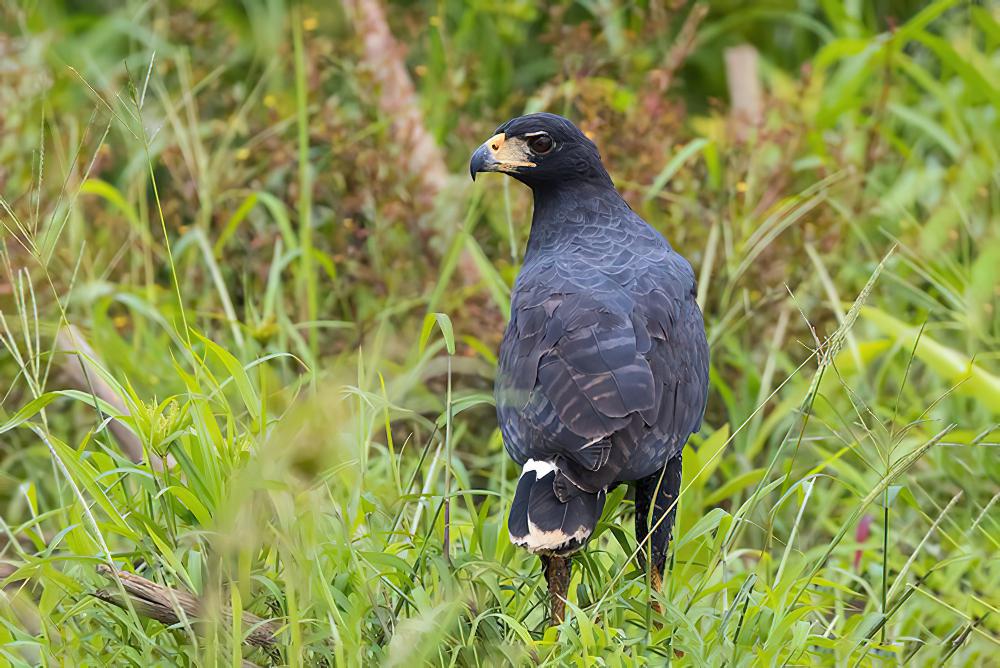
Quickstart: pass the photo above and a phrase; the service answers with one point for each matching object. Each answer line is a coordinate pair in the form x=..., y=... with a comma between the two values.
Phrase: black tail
x=660, y=491
x=541, y=522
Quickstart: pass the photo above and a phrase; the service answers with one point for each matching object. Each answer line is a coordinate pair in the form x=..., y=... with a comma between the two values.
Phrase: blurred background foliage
x=248, y=210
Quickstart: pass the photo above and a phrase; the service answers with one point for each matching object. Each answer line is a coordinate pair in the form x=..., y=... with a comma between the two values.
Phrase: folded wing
x=588, y=360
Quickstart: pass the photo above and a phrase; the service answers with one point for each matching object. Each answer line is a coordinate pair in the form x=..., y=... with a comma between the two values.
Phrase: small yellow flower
x=310, y=23
x=741, y=187
x=270, y=101
x=243, y=153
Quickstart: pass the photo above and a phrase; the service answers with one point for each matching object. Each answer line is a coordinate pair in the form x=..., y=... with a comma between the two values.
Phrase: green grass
x=214, y=198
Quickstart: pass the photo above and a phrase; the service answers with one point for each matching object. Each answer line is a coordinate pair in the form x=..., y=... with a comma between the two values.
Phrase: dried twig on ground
x=165, y=605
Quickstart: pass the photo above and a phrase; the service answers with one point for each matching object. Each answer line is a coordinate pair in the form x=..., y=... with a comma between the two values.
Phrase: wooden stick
x=683, y=46
x=397, y=95
x=399, y=101
x=164, y=605
x=745, y=95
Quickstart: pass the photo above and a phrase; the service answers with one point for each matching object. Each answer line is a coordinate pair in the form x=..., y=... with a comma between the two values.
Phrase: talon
x=656, y=580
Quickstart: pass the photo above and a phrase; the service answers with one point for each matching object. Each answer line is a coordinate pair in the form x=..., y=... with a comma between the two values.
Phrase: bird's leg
x=557, y=571
x=660, y=490
x=643, y=497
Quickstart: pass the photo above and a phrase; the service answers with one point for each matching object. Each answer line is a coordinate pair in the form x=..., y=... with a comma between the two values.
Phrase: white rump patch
x=541, y=468
x=539, y=541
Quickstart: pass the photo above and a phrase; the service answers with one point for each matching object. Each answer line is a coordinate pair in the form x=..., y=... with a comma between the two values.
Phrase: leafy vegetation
x=299, y=334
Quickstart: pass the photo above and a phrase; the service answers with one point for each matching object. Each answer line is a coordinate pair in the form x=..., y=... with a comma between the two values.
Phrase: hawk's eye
x=540, y=144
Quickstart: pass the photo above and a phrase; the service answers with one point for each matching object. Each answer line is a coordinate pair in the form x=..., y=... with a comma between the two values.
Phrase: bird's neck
x=575, y=213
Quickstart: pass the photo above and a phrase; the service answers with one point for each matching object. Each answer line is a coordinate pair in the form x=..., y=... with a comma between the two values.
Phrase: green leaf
x=87, y=476
x=734, y=485
x=234, y=222
x=928, y=126
x=28, y=411
x=191, y=502
x=889, y=496
x=703, y=526
x=491, y=277
x=465, y=403
x=970, y=379
x=237, y=373
x=444, y=324
x=673, y=166
x=114, y=197
x=279, y=212
x=385, y=560
x=709, y=453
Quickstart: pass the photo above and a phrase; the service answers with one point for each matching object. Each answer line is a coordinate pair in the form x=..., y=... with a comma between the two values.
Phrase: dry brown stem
x=398, y=100
x=682, y=47
x=170, y=606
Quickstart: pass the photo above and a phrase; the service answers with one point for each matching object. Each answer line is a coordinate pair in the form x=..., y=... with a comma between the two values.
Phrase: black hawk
x=603, y=368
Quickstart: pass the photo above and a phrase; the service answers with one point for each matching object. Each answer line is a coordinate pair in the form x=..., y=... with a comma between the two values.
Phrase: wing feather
x=590, y=356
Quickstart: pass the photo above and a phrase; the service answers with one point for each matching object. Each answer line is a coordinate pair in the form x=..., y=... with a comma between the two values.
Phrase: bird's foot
x=656, y=582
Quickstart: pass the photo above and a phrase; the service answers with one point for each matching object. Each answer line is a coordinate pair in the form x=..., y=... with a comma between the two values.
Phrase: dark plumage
x=603, y=369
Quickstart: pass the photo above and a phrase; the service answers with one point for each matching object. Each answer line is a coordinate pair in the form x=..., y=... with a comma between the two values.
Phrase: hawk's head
x=540, y=150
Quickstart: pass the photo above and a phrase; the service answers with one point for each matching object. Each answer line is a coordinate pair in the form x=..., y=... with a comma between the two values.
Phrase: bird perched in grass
x=603, y=368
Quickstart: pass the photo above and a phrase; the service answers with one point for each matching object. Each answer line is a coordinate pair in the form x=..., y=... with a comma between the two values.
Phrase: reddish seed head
x=861, y=535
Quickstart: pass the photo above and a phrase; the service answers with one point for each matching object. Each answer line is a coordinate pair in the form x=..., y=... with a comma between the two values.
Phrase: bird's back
x=604, y=365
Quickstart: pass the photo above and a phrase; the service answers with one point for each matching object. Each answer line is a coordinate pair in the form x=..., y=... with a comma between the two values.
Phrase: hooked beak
x=484, y=158
x=500, y=154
